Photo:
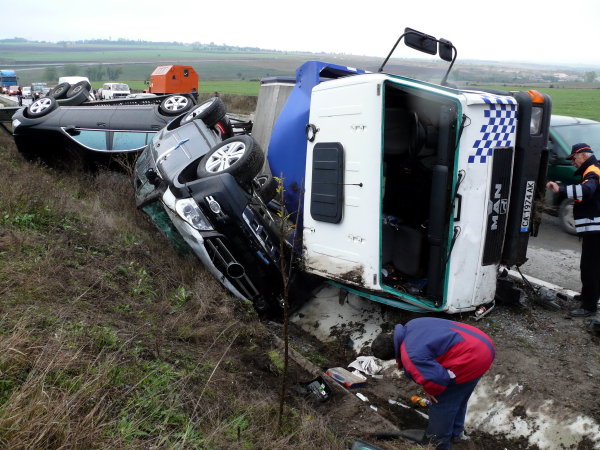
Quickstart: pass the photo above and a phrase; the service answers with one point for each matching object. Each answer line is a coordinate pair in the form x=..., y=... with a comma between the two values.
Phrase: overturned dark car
x=205, y=189
x=92, y=132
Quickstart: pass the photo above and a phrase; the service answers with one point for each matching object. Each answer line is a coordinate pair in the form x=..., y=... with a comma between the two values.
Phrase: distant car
x=92, y=132
x=13, y=90
x=37, y=90
x=26, y=92
x=110, y=91
x=564, y=132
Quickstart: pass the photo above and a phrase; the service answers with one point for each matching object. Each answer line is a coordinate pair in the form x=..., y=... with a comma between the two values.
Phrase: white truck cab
x=409, y=193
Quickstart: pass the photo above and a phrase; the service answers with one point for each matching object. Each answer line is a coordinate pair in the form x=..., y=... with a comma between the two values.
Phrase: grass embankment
x=109, y=339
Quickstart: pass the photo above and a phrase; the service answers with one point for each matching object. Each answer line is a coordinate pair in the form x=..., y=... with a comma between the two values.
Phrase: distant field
x=567, y=102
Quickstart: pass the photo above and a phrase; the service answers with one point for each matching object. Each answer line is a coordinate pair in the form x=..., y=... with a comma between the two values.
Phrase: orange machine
x=173, y=80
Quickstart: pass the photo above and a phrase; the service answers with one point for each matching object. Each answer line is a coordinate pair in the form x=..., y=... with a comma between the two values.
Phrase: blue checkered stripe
x=501, y=123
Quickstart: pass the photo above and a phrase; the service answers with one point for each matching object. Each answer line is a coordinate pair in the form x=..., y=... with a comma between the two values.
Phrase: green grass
x=567, y=102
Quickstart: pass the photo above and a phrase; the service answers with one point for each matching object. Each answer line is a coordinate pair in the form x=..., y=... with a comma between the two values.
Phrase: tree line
x=98, y=72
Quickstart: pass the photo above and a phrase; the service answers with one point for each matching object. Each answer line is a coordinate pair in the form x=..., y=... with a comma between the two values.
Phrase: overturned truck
x=406, y=192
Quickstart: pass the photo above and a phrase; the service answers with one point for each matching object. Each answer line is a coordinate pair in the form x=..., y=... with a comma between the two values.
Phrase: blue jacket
x=586, y=197
x=437, y=352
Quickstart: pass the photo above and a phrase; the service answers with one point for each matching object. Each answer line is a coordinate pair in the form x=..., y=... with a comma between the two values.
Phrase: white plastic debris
x=362, y=397
x=359, y=375
x=373, y=407
x=395, y=402
x=366, y=364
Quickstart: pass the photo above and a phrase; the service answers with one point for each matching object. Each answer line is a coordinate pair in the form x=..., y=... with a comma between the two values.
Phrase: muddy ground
x=543, y=390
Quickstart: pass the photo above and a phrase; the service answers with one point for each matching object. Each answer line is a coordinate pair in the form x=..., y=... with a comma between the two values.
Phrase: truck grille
x=498, y=205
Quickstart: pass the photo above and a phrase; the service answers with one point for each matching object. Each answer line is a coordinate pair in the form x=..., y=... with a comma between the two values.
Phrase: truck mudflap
x=532, y=139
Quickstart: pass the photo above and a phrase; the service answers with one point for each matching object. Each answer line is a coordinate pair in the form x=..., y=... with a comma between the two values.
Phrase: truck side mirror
x=445, y=49
x=420, y=41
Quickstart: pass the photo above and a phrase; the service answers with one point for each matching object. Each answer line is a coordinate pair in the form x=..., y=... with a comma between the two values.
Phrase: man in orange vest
x=586, y=212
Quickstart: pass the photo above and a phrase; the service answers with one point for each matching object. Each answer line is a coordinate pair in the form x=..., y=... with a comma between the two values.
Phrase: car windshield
x=573, y=134
x=121, y=87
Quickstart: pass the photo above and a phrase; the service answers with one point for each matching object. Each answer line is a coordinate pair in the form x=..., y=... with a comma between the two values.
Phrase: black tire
x=268, y=187
x=78, y=98
x=40, y=107
x=240, y=156
x=78, y=87
x=565, y=215
x=224, y=128
x=210, y=112
x=59, y=91
x=175, y=105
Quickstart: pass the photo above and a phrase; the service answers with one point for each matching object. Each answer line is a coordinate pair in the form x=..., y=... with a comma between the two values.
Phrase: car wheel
x=210, y=112
x=241, y=156
x=268, y=187
x=565, y=214
x=80, y=95
x=41, y=107
x=59, y=91
x=175, y=104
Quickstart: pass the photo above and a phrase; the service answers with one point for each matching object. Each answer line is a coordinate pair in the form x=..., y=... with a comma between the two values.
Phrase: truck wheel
x=210, y=112
x=175, y=104
x=40, y=107
x=78, y=87
x=80, y=95
x=565, y=214
x=268, y=187
x=59, y=91
x=240, y=156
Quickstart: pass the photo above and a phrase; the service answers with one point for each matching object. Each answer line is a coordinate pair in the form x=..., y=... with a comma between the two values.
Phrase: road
x=553, y=255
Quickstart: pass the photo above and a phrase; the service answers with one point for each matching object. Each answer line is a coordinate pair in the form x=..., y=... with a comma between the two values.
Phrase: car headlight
x=16, y=123
x=536, y=120
x=189, y=211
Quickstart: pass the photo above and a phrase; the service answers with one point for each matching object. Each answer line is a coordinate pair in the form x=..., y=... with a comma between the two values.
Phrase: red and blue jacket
x=428, y=348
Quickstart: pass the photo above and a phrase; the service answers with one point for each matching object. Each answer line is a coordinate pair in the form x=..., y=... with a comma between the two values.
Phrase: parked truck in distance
x=173, y=79
x=8, y=78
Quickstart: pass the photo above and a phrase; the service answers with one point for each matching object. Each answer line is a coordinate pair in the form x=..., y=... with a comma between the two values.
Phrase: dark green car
x=564, y=132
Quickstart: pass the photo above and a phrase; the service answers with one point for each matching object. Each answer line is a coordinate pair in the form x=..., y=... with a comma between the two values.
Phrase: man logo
x=498, y=207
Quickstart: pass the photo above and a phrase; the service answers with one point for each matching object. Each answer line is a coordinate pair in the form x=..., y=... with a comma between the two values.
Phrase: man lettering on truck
x=586, y=211
x=447, y=358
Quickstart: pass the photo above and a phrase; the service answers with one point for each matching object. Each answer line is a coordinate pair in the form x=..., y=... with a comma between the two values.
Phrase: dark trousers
x=447, y=416
x=590, y=271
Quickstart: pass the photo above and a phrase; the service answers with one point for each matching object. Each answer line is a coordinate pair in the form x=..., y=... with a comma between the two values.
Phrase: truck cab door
x=342, y=202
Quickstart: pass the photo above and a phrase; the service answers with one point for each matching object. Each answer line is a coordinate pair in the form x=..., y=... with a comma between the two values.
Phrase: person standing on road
x=586, y=212
x=447, y=358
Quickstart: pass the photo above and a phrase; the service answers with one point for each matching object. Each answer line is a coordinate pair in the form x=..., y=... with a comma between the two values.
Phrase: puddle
x=500, y=409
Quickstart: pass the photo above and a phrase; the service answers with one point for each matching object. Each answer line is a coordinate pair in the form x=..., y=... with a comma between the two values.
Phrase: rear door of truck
x=342, y=200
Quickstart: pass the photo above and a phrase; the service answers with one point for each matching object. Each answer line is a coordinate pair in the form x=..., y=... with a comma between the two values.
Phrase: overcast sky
x=507, y=30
